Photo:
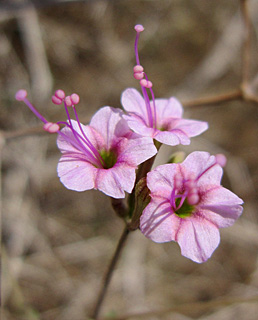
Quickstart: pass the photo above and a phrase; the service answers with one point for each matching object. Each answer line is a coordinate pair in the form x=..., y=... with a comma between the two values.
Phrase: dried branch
x=246, y=43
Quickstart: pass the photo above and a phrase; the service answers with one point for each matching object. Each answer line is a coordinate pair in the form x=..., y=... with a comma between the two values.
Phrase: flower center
x=185, y=210
x=185, y=194
x=109, y=158
x=139, y=74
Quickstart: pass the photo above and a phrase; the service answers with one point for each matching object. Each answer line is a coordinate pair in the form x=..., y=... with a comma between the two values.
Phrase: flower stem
x=109, y=273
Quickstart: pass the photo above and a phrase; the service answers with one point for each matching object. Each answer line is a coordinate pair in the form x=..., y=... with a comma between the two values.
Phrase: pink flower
x=188, y=205
x=160, y=119
x=111, y=168
x=166, y=124
x=103, y=155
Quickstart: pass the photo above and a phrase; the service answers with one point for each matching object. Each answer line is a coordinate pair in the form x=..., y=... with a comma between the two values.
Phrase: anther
x=145, y=83
x=21, y=95
x=75, y=98
x=60, y=94
x=138, y=68
x=138, y=75
x=138, y=28
x=51, y=127
x=68, y=101
x=56, y=100
x=177, y=181
x=221, y=159
x=193, y=198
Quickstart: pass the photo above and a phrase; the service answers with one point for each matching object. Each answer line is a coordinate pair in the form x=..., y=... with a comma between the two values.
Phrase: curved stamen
x=154, y=108
x=89, y=144
x=21, y=95
x=183, y=197
x=145, y=83
x=81, y=144
x=148, y=106
x=138, y=28
x=68, y=101
x=84, y=144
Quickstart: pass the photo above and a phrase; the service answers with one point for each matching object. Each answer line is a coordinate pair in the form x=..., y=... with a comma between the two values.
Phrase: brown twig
x=109, y=273
x=246, y=44
x=214, y=100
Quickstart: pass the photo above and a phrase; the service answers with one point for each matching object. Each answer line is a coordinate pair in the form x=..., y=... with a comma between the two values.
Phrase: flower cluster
x=187, y=202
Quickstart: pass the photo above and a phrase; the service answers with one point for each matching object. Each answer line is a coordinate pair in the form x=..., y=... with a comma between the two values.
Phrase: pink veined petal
x=191, y=128
x=139, y=126
x=133, y=102
x=172, y=138
x=114, y=181
x=158, y=222
x=221, y=206
x=77, y=175
x=135, y=151
x=109, y=122
x=168, y=108
x=72, y=145
x=197, y=162
x=162, y=178
x=197, y=239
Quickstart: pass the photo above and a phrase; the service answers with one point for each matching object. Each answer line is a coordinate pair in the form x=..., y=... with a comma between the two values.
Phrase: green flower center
x=109, y=158
x=185, y=210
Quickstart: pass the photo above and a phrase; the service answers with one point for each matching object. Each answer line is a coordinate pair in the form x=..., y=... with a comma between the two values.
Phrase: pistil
x=139, y=74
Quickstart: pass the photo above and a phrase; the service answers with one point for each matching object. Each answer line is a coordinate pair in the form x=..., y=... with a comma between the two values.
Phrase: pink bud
x=21, y=95
x=138, y=28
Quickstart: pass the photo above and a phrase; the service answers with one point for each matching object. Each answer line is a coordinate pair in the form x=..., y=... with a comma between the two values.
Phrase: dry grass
x=56, y=242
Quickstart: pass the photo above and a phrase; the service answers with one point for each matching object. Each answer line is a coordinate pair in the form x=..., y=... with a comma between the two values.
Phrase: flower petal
x=168, y=108
x=198, y=238
x=172, y=138
x=114, y=181
x=134, y=151
x=197, y=162
x=158, y=222
x=191, y=128
x=160, y=181
x=67, y=142
x=221, y=206
x=109, y=122
x=133, y=102
x=138, y=125
x=76, y=174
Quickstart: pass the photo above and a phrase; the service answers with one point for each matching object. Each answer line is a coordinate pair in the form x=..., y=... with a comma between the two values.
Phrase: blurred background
x=56, y=243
